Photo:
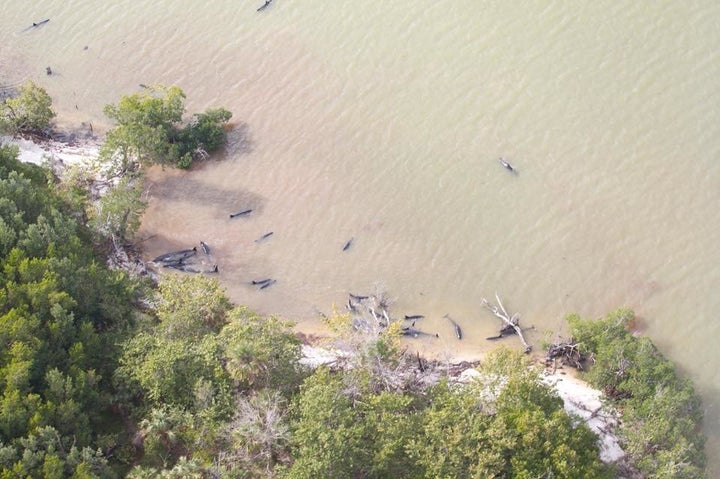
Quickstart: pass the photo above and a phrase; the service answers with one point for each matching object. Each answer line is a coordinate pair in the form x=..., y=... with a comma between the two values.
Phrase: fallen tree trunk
x=512, y=323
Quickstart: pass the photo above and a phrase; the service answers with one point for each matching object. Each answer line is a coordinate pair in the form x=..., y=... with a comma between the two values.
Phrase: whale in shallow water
x=205, y=247
x=263, y=7
x=265, y=236
x=458, y=331
x=416, y=333
x=240, y=213
x=268, y=284
x=348, y=244
x=507, y=165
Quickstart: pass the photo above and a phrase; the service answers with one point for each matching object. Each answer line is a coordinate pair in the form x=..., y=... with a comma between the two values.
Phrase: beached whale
x=175, y=256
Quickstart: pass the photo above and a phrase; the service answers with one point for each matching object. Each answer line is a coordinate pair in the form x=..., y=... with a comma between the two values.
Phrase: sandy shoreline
x=53, y=151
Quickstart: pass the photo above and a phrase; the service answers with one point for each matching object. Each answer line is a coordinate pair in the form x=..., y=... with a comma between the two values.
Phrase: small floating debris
x=240, y=213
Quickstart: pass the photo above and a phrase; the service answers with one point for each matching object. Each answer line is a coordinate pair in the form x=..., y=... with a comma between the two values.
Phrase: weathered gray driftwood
x=510, y=321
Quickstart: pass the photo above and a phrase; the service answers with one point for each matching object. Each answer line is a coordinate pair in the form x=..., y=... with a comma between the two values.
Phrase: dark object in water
x=48, y=70
x=263, y=7
x=175, y=256
x=458, y=331
x=205, y=247
x=43, y=22
x=240, y=213
x=507, y=165
x=265, y=236
x=351, y=306
x=268, y=284
x=262, y=281
x=416, y=333
x=414, y=316
x=177, y=265
x=348, y=244
x=504, y=331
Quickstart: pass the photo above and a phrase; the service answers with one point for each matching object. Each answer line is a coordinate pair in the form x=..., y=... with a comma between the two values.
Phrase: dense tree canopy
x=60, y=315
x=661, y=412
x=506, y=424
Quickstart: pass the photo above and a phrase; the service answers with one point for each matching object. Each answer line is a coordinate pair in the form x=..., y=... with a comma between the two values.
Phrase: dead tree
x=511, y=322
x=567, y=352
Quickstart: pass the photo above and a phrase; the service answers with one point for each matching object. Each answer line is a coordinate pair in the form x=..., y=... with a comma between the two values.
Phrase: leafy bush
x=149, y=130
x=661, y=412
x=28, y=112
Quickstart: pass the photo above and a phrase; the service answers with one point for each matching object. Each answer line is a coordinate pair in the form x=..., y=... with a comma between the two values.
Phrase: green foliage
x=194, y=364
x=166, y=371
x=149, y=130
x=8, y=162
x=191, y=306
x=58, y=308
x=261, y=352
x=29, y=112
x=507, y=424
x=257, y=436
x=46, y=454
x=328, y=431
x=661, y=412
x=117, y=214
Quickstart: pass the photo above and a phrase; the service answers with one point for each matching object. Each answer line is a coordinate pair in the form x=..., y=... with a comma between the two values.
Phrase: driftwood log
x=511, y=322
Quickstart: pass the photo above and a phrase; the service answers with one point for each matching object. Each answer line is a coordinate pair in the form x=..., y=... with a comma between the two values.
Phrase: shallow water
x=383, y=122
